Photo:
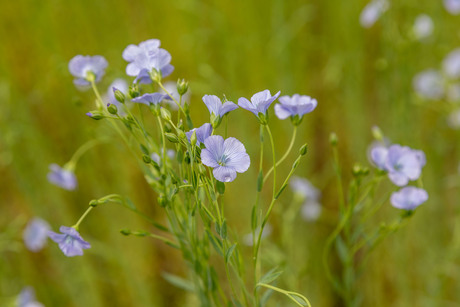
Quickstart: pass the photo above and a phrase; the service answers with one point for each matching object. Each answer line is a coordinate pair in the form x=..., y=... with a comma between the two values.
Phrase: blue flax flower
x=84, y=68
x=202, y=133
x=35, y=234
x=259, y=104
x=408, y=198
x=295, y=106
x=62, y=177
x=404, y=164
x=27, y=298
x=70, y=241
x=216, y=107
x=227, y=157
x=154, y=98
x=452, y=6
x=146, y=57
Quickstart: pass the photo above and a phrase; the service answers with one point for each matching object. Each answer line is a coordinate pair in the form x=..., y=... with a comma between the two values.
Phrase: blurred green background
x=360, y=77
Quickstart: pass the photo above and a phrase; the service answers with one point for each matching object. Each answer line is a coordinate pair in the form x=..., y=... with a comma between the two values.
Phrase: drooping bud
x=96, y=115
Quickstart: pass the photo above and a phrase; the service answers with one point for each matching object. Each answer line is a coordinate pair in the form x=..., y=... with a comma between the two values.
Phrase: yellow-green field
x=361, y=77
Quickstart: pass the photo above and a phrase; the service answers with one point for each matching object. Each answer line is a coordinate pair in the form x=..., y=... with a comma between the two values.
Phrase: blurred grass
x=361, y=77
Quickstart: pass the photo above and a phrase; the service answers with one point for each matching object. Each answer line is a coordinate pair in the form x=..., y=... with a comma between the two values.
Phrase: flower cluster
x=402, y=164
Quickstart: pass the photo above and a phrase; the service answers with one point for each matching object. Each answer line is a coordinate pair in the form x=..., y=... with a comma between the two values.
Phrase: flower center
x=222, y=161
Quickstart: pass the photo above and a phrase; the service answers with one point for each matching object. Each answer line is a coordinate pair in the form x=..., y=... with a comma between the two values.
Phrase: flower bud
x=94, y=203
x=119, y=96
x=377, y=133
x=134, y=91
x=303, y=150
x=181, y=134
x=182, y=87
x=125, y=232
x=333, y=139
x=165, y=114
x=112, y=108
x=193, y=138
x=96, y=115
x=146, y=159
x=172, y=137
x=215, y=120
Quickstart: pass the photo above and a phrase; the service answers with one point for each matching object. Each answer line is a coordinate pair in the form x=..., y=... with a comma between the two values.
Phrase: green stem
x=291, y=144
x=171, y=96
x=80, y=151
x=82, y=217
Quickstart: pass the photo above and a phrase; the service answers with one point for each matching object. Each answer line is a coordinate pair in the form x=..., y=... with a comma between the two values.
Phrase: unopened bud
x=182, y=87
x=134, y=91
x=125, y=232
x=119, y=96
x=94, y=203
x=97, y=115
x=146, y=159
x=172, y=137
x=112, y=109
x=165, y=114
x=181, y=134
x=303, y=150
x=377, y=133
x=333, y=139
x=193, y=138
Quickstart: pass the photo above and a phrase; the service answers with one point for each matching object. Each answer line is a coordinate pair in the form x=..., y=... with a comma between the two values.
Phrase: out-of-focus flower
x=170, y=153
x=202, y=133
x=408, y=198
x=226, y=157
x=429, y=84
x=304, y=188
x=27, y=298
x=154, y=98
x=453, y=120
x=372, y=12
x=35, y=234
x=423, y=26
x=311, y=210
x=404, y=164
x=62, y=177
x=247, y=239
x=70, y=241
x=297, y=105
x=379, y=155
x=216, y=107
x=452, y=6
x=259, y=104
x=87, y=68
x=451, y=64
x=144, y=58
